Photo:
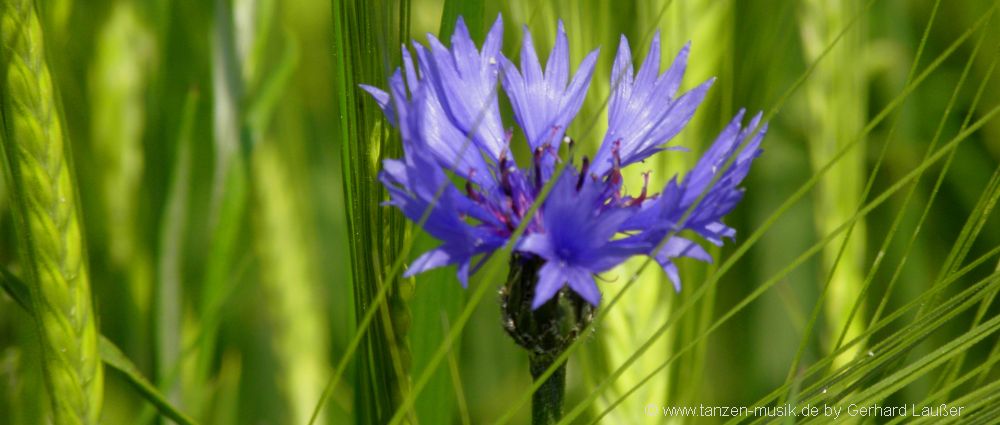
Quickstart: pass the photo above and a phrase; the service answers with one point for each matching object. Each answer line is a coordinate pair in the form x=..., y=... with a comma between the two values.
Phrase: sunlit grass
x=241, y=262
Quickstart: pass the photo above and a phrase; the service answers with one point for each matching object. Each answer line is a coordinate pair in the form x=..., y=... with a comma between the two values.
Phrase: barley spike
x=49, y=228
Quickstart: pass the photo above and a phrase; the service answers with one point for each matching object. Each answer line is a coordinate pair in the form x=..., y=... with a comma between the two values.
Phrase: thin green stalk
x=456, y=378
x=955, y=381
x=956, y=255
x=911, y=332
x=956, y=365
x=226, y=215
x=47, y=214
x=992, y=359
x=233, y=140
x=934, y=192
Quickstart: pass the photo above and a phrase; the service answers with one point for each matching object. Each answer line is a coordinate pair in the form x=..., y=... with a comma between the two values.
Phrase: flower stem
x=547, y=402
x=545, y=332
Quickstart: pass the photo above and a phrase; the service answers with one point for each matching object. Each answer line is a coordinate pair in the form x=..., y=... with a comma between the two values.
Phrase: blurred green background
x=211, y=140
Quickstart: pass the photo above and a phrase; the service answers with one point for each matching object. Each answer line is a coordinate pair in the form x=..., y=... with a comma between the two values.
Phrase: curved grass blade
x=956, y=364
x=889, y=348
x=908, y=374
x=933, y=196
x=112, y=356
x=859, y=374
x=955, y=382
x=829, y=359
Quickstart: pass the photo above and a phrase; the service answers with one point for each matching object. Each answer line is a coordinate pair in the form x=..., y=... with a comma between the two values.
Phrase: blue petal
x=679, y=247
x=451, y=148
x=429, y=260
x=643, y=114
x=543, y=104
x=721, y=196
x=553, y=276
x=382, y=98
x=675, y=74
x=538, y=244
x=579, y=228
x=418, y=188
x=465, y=84
x=675, y=277
x=582, y=282
x=550, y=281
x=557, y=67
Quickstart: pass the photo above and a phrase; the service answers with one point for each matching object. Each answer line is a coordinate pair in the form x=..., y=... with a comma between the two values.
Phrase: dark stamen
x=615, y=175
x=505, y=176
x=471, y=192
x=538, y=166
x=584, y=167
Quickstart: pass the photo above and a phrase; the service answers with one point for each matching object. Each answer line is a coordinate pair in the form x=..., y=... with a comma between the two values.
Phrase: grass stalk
x=299, y=342
x=168, y=297
x=118, y=82
x=837, y=108
x=363, y=38
x=48, y=221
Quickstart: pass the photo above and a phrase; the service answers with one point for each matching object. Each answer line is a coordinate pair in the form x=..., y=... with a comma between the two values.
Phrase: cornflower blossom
x=445, y=106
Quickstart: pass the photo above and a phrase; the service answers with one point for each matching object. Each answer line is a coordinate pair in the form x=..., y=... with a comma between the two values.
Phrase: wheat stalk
x=118, y=79
x=836, y=100
x=48, y=221
x=299, y=343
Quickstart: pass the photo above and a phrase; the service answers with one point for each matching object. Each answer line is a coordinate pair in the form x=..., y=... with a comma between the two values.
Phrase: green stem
x=547, y=402
x=545, y=332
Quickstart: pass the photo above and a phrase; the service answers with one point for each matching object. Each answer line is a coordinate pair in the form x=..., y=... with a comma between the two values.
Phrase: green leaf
x=113, y=356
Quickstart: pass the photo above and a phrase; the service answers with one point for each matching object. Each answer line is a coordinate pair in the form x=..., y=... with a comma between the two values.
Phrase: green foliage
x=240, y=259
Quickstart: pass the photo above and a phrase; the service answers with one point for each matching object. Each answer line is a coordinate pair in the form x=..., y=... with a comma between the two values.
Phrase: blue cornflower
x=447, y=111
